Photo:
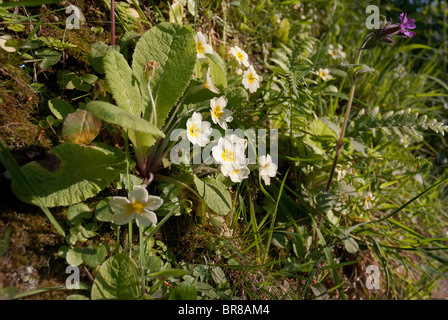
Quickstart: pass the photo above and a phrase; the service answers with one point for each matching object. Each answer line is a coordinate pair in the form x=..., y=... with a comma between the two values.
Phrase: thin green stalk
x=340, y=144
x=274, y=217
x=128, y=177
x=142, y=257
x=130, y=237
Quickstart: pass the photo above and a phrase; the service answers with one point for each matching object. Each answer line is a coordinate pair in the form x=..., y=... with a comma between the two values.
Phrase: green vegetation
x=344, y=129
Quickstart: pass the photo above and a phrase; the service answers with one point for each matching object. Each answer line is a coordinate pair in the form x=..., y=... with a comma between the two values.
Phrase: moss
x=18, y=108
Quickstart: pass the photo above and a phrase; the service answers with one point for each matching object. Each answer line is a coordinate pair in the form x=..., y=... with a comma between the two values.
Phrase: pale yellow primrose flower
x=251, y=80
x=324, y=74
x=235, y=174
x=267, y=168
x=198, y=131
x=332, y=52
x=202, y=47
x=240, y=56
x=220, y=115
x=368, y=200
x=341, y=51
x=341, y=173
x=229, y=152
x=138, y=204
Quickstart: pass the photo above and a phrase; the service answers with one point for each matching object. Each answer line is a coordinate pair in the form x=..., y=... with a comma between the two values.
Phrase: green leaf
x=168, y=273
x=346, y=189
x=103, y=211
x=50, y=57
x=74, y=257
x=184, y=291
x=215, y=194
x=117, y=279
x=153, y=263
x=283, y=31
x=80, y=127
x=122, y=82
x=217, y=70
x=113, y=114
x=235, y=96
x=76, y=212
x=350, y=245
x=96, y=54
x=77, y=297
x=94, y=256
x=172, y=46
x=70, y=173
x=320, y=291
x=60, y=108
x=27, y=3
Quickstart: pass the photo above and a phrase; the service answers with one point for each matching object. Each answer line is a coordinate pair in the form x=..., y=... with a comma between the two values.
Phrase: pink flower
x=407, y=24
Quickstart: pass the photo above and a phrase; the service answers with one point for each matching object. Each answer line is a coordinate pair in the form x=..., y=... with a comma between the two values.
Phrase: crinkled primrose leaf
x=78, y=173
x=173, y=47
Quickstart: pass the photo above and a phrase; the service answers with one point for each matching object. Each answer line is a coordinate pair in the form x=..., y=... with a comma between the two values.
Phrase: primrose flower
x=332, y=51
x=220, y=115
x=208, y=83
x=336, y=53
x=138, y=204
x=406, y=24
x=404, y=141
x=267, y=168
x=341, y=52
x=235, y=174
x=202, y=47
x=341, y=173
x=198, y=131
x=240, y=56
x=229, y=152
x=368, y=200
x=251, y=80
x=324, y=74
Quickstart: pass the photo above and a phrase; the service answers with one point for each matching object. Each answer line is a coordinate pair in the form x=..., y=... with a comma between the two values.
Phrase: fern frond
x=405, y=158
x=403, y=123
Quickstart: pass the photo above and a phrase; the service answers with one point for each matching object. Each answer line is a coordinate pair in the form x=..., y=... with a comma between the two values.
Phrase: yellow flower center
x=240, y=55
x=195, y=131
x=217, y=113
x=228, y=155
x=323, y=74
x=200, y=47
x=135, y=206
x=251, y=78
x=236, y=171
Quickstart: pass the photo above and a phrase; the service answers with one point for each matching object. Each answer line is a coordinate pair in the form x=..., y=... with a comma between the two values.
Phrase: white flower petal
x=147, y=218
x=266, y=179
x=118, y=203
x=154, y=203
x=139, y=194
x=122, y=218
x=262, y=160
x=272, y=170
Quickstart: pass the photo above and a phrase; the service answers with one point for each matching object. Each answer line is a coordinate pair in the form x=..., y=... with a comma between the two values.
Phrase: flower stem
x=112, y=16
x=142, y=258
x=130, y=238
x=340, y=144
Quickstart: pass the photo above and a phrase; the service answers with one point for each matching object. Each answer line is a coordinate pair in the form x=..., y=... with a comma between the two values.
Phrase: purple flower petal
x=407, y=24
